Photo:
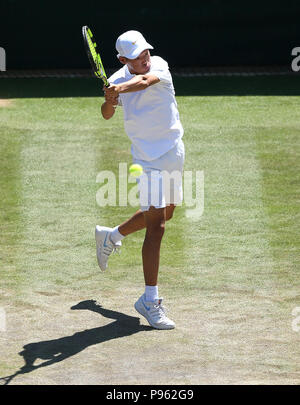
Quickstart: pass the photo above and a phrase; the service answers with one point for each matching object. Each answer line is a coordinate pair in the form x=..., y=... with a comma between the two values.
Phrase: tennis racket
x=93, y=55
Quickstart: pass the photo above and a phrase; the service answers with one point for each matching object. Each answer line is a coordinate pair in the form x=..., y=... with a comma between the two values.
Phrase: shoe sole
x=144, y=314
x=97, y=247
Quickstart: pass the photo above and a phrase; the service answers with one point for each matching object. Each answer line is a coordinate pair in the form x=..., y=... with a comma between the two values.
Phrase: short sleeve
x=160, y=69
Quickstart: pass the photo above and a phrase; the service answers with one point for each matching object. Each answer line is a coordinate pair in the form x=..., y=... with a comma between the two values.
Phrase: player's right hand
x=112, y=90
x=111, y=100
x=111, y=96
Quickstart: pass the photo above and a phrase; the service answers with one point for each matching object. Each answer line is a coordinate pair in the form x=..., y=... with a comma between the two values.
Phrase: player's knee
x=169, y=213
x=156, y=231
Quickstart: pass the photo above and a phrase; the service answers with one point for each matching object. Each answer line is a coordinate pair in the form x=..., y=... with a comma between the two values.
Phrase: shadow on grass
x=56, y=350
x=185, y=86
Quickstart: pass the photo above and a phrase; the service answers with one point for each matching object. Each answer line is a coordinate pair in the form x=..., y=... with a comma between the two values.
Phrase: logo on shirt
x=133, y=43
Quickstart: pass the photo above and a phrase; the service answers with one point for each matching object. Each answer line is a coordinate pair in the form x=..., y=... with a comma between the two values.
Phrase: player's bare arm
x=137, y=83
x=109, y=106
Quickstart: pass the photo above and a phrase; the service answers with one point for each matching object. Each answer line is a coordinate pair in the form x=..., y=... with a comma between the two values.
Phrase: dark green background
x=47, y=34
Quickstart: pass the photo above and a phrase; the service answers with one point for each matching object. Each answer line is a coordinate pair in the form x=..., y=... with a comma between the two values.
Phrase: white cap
x=131, y=44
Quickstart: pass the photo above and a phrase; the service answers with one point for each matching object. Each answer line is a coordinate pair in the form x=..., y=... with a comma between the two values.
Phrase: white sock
x=151, y=293
x=115, y=235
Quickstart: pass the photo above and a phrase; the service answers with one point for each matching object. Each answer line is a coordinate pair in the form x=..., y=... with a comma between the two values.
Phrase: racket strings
x=99, y=69
x=92, y=48
x=96, y=57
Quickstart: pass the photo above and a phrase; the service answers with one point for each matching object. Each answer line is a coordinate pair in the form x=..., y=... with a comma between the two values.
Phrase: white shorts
x=161, y=182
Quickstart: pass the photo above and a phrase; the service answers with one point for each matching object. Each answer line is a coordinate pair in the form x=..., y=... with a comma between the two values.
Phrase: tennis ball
x=136, y=170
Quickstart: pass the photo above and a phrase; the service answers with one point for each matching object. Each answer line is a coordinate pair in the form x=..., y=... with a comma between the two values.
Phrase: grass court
x=230, y=279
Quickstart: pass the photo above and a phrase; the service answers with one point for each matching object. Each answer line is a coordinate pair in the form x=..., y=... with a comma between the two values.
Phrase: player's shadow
x=56, y=350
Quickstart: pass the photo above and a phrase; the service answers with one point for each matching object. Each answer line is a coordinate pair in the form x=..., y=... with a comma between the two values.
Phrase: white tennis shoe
x=154, y=312
x=104, y=245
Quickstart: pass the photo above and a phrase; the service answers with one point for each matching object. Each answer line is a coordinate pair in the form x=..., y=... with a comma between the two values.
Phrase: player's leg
x=137, y=221
x=149, y=304
x=155, y=219
x=109, y=239
x=170, y=211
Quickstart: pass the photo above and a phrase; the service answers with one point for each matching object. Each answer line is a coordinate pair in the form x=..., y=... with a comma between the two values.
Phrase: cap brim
x=137, y=51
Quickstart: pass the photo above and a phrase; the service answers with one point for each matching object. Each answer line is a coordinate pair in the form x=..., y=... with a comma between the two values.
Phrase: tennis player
x=144, y=88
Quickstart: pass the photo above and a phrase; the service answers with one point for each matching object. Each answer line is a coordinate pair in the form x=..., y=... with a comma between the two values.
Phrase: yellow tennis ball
x=135, y=170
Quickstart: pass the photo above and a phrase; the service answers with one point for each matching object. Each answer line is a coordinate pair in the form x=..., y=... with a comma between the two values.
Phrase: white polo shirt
x=151, y=117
